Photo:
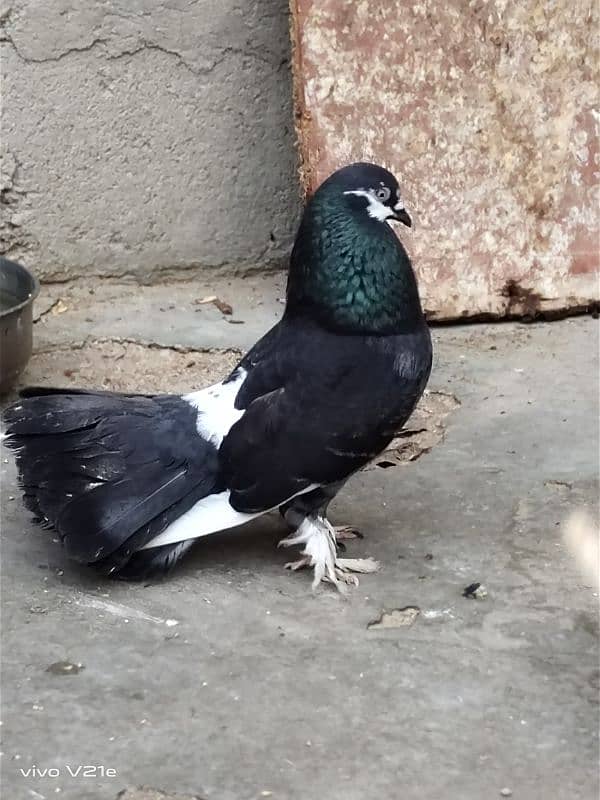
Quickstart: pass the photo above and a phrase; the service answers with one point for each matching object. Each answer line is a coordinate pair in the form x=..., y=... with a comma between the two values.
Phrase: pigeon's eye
x=383, y=194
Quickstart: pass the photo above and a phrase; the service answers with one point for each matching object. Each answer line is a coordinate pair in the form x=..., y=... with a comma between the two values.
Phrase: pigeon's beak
x=401, y=215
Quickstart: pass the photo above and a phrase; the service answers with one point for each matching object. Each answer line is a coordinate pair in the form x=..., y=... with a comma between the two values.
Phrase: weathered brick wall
x=487, y=113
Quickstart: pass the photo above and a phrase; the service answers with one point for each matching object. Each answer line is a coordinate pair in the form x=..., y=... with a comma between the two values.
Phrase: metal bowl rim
x=35, y=290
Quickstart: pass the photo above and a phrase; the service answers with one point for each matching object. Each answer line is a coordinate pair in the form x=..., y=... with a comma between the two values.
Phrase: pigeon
x=130, y=482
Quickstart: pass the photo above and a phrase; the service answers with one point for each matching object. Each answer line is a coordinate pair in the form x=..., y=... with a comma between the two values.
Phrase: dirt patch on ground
x=424, y=429
x=128, y=367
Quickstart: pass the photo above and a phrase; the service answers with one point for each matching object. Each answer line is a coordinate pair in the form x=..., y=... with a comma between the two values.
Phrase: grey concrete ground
x=262, y=689
x=144, y=136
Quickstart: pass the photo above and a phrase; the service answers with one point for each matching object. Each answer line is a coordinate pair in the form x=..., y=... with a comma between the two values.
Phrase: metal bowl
x=18, y=290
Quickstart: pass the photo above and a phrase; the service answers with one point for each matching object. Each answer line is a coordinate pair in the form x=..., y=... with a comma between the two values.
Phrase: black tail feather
x=46, y=391
x=155, y=561
x=110, y=472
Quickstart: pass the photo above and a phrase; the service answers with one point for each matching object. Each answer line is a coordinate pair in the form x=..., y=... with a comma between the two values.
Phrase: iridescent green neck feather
x=350, y=271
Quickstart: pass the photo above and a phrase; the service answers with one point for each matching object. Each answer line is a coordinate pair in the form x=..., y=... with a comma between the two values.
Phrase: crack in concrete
x=90, y=341
x=31, y=60
x=225, y=52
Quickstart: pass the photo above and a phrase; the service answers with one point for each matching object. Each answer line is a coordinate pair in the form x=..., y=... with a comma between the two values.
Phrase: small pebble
x=475, y=591
x=506, y=792
x=64, y=668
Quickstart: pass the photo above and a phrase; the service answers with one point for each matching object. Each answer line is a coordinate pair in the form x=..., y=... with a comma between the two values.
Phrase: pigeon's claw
x=364, y=565
x=346, y=532
x=299, y=564
x=346, y=567
x=343, y=578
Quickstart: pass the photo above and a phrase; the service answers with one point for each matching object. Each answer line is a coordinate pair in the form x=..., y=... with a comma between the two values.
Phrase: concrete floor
x=262, y=689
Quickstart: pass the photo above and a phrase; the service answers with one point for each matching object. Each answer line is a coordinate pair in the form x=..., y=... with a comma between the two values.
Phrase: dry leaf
x=59, y=307
x=223, y=307
x=396, y=618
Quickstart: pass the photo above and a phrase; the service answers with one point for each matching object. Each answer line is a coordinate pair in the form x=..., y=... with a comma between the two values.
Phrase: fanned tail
x=110, y=472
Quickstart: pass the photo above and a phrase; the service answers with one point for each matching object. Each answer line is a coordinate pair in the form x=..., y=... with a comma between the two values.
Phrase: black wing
x=318, y=406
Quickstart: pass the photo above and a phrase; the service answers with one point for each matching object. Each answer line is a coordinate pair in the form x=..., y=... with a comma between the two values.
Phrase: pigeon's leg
x=319, y=499
x=319, y=549
x=320, y=552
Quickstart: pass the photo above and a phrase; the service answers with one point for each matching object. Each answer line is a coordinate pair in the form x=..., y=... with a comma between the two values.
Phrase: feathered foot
x=320, y=552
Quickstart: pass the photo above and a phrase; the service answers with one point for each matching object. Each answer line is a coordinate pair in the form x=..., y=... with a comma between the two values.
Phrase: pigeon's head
x=369, y=189
x=348, y=268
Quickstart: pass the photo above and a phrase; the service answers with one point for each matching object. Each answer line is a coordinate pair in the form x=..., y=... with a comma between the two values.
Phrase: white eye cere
x=376, y=207
x=383, y=194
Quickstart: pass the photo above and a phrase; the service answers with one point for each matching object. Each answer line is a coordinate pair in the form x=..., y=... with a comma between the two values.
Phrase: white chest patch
x=215, y=406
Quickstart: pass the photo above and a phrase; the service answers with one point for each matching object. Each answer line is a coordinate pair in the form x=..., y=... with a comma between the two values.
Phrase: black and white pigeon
x=130, y=482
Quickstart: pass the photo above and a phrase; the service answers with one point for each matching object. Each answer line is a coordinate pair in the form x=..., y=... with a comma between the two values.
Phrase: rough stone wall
x=487, y=112
x=143, y=136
